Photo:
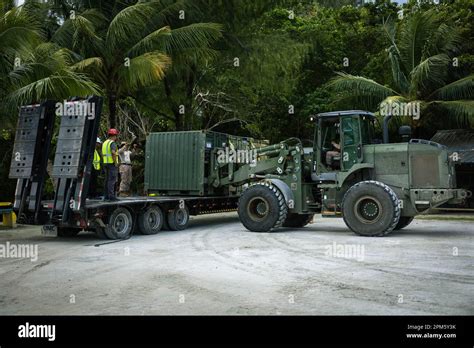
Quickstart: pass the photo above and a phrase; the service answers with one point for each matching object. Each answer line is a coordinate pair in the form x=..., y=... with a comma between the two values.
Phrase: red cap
x=113, y=131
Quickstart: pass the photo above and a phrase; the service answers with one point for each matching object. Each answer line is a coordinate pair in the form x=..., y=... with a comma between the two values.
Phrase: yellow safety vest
x=107, y=152
x=96, y=162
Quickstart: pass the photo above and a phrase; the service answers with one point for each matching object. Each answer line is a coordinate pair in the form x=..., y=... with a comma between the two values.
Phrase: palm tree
x=127, y=48
x=32, y=70
x=422, y=58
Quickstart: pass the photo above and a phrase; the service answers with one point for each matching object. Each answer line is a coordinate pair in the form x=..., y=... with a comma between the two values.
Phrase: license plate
x=49, y=230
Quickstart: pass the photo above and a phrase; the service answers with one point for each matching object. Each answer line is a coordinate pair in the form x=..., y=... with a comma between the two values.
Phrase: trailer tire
x=404, y=222
x=262, y=208
x=68, y=232
x=371, y=209
x=120, y=224
x=150, y=221
x=298, y=220
x=178, y=219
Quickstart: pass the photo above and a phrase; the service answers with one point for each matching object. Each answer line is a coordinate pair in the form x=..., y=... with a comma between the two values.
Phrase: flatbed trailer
x=71, y=211
x=142, y=214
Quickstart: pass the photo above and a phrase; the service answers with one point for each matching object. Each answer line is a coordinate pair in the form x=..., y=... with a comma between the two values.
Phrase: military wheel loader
x=375, y=186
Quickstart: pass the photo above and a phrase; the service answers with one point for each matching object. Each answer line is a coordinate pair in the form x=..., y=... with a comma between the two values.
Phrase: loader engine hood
x=430, y=166
x=417, y=164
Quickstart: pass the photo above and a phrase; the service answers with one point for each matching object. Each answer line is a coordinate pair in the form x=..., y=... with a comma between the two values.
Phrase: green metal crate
x=178, y=163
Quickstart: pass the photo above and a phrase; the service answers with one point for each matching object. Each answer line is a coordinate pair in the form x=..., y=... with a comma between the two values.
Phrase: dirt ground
x=218, y=267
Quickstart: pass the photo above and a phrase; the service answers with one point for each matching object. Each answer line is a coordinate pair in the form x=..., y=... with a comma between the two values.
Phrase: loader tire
x=150, y=221
x=404, y=222
x=298, y=220
x=371, y=209
x=262, y=208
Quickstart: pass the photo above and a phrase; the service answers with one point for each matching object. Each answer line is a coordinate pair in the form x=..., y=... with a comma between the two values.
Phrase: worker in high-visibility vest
x=111, y=162
x=96, y=167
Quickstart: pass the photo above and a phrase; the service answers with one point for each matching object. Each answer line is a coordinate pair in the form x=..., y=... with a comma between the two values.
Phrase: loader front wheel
x=371, y=208
x=262, y=208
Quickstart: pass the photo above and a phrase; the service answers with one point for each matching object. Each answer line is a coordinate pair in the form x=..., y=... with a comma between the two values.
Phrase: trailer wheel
x=262, y=208
x=120, y=224
x=298, y=220
x=151, y=220
x=68, y=232
x=371, y=208
x=178, y=219
x=404, y=222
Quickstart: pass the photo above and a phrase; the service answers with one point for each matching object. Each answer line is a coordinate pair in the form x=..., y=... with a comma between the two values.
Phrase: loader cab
x=339, y=139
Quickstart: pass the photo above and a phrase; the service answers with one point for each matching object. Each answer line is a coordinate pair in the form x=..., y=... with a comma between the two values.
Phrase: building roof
x=345, y=113
x=460, y=141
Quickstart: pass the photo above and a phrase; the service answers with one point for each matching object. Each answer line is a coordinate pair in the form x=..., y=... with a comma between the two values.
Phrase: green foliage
x=422, y=53
x=251, y=67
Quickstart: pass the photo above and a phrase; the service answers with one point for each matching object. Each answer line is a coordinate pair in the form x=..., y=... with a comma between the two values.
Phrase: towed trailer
x=173, y=195
x=145, y=215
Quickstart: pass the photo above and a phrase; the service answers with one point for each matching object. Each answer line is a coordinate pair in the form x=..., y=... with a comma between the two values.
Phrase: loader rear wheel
x=120, y=224
x=298, y=220
x=262, y=208
x=371, y=208
x=150, y=221
x=404, y=222
x=178, y=219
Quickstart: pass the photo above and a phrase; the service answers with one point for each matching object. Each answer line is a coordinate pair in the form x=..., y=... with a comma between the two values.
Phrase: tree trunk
x=178, y=118
x=112, y=110
x=190, y=81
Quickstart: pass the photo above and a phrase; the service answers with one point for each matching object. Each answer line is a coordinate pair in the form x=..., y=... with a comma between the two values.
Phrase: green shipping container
x=178, y=163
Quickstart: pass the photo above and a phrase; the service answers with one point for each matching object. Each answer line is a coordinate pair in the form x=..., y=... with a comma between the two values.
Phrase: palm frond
x=127, y=26
x=460, y=89
x=457, y=108
x=143, y=71
x=360, y=87
x=398, y=73
x=58, y=86
x=80, y=30
x=193, y=36
x=430, y=72
x=414, y=35
x=151, y=42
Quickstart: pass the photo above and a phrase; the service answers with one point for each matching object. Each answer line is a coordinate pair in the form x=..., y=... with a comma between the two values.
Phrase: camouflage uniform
x=125, y=178
x=125, y=170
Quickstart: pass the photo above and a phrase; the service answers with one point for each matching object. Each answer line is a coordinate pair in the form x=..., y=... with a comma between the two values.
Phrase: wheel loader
x=374, y=185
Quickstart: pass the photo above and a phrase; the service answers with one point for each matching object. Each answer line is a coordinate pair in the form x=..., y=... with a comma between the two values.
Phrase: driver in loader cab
x=333, y=154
